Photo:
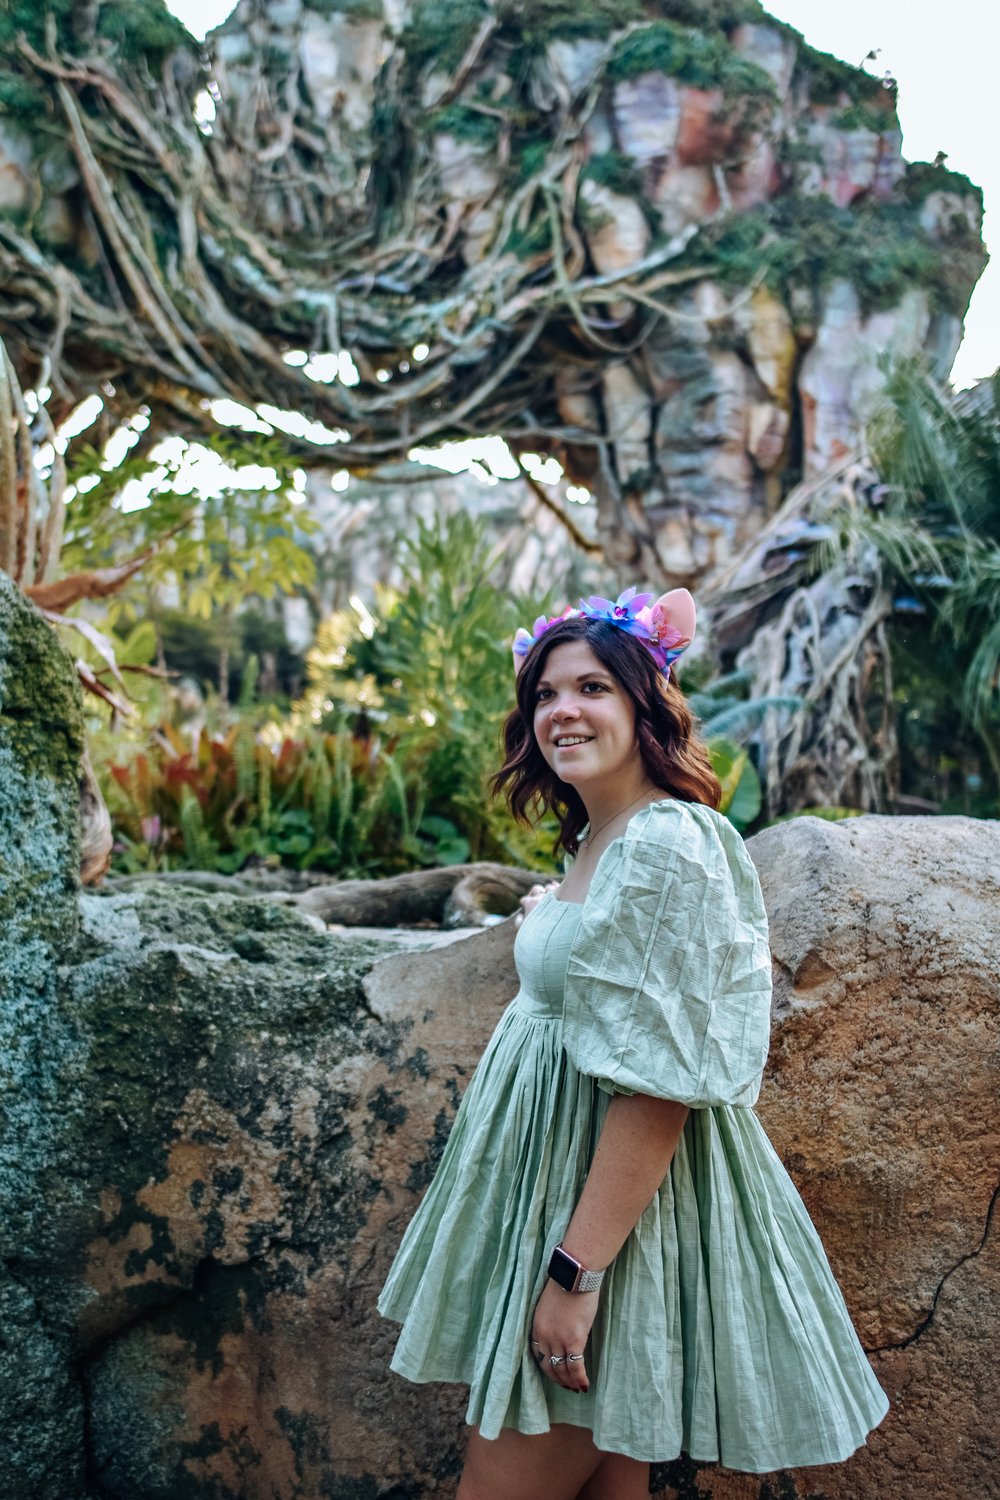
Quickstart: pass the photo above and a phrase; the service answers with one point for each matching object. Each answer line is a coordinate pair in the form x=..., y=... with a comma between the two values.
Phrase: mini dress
x=721, y=1331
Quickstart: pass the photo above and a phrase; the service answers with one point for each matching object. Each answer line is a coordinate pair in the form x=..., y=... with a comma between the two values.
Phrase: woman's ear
x=677, y=608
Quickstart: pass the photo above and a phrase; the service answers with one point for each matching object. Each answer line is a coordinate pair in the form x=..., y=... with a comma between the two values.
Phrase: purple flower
x=622, y=612
x=523, y=642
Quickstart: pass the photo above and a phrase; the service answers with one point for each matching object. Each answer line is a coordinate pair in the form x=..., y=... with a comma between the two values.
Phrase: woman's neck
x=609, y=809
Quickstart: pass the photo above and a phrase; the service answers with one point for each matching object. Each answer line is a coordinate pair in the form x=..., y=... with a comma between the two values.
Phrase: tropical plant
x=726, y=716
x=430, y=672
x=383, y=764
x=241, y=540
x=936, y=531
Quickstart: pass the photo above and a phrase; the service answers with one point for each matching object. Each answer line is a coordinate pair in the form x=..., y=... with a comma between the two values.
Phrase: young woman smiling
x=611, y=1254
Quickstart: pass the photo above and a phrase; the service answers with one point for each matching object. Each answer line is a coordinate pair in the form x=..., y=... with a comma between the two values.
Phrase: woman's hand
x=532, y=899
x=561, y=1325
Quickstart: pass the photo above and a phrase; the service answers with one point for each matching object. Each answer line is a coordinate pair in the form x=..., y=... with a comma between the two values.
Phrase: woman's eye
x=542, y=691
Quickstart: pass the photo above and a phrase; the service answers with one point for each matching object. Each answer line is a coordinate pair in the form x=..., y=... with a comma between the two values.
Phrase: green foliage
x=439, y=32
x=613, y=170
x=828, y=814
x=528, y=156
x=191, y=646
x=384, y=765
x=721, y=14
x=863, y=117
x=218, y=551
x=435, y=675
x=703, y=60
x=465, y=124
x=936, y=530
x=143, y=32
x=544, y=21
x=28, y=18
x=622, y=175
x=827, y=80
x=741, y=791
x=533, y=238
x=222, y=801
x=726, y=714
x=23, y=99
x=352, y=10
x=807, y=241
x=924, y=177
x=724, y=711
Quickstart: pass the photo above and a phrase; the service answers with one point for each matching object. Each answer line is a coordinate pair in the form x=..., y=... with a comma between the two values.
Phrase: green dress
x=721, y=1330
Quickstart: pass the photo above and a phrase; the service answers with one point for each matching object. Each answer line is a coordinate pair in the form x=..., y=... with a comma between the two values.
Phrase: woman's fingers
x=571, y=1373
x=537, y=891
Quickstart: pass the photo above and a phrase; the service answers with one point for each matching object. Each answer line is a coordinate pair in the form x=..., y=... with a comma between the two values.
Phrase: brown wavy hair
x=673, y=754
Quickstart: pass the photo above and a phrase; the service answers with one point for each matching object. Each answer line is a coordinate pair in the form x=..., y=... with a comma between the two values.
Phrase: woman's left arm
x=633, y=1155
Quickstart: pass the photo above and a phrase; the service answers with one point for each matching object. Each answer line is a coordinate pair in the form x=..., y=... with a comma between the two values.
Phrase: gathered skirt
x=721, y=1331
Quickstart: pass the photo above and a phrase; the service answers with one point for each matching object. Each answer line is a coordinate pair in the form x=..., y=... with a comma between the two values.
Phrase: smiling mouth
x=585, y=740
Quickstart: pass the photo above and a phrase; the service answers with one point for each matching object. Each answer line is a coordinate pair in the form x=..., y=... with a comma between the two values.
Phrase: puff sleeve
x=668, y=982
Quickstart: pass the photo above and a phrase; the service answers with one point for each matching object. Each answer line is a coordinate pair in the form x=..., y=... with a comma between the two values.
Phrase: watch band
x=566, y=1271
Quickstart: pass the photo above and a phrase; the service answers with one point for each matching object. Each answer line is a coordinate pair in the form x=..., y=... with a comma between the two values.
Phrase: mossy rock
x=700, y=59
x=809, y=242
x=41, y=729
x=41, y=742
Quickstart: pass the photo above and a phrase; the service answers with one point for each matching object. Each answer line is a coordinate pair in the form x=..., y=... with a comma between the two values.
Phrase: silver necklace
x=585, y=844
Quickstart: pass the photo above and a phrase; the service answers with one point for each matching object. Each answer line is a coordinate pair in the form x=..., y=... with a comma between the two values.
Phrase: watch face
x=563, y=1269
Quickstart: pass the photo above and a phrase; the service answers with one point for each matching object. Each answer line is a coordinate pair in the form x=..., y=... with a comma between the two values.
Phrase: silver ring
x=535, y=1341
x=557, y=1359
x=572, y=1357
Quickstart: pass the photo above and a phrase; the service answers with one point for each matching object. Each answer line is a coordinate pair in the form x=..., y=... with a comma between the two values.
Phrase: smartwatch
x=567, y=1272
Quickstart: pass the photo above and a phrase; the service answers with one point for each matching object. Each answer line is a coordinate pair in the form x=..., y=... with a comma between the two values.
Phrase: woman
x=611, y=1254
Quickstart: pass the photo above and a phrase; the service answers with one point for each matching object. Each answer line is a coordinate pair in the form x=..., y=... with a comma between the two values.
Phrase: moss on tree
x=351, y=10
x=809, y=242
x=439, y=32
x=924, y=177
x=701, y=59
x=143, y=34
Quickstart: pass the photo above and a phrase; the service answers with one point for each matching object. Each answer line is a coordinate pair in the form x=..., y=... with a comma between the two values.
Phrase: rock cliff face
x=667, y=242
x=40, y=748
x=217, y=1121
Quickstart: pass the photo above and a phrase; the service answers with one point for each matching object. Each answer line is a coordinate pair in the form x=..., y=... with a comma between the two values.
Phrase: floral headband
x=666, y=629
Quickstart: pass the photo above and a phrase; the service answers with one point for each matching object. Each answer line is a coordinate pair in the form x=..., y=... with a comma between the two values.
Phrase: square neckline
x=617, y=840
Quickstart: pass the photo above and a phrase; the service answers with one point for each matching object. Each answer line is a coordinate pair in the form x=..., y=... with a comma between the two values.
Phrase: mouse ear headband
x=666, y=628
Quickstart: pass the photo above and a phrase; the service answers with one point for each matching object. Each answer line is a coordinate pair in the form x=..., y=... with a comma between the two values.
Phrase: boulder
x=880, y=1096
x=289, y=1129
x=41, y=741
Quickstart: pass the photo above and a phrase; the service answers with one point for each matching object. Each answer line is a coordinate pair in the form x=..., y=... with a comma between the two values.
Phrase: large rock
x=40, y=748
x=880, y=1095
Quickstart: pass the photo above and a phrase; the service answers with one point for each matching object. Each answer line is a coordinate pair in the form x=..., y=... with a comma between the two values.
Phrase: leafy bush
x=383, y=764
x=699, y=59
x=222, y=801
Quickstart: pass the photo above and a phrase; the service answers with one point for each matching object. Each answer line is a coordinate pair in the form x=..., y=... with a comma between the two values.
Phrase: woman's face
x=578, y=697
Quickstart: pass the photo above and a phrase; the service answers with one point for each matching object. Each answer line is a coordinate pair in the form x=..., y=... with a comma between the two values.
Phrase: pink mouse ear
x=677, y=608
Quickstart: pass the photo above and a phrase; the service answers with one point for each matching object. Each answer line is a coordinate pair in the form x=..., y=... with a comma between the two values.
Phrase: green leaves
x=741, y=794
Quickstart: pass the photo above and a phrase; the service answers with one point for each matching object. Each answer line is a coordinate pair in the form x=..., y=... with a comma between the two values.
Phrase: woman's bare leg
x=549, y=1465
x=617, y=1478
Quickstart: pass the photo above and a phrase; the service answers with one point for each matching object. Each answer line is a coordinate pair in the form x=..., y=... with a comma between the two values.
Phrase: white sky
x=945, y=60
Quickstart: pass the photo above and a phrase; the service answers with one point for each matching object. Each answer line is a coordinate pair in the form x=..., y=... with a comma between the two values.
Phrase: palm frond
x=744, y=718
